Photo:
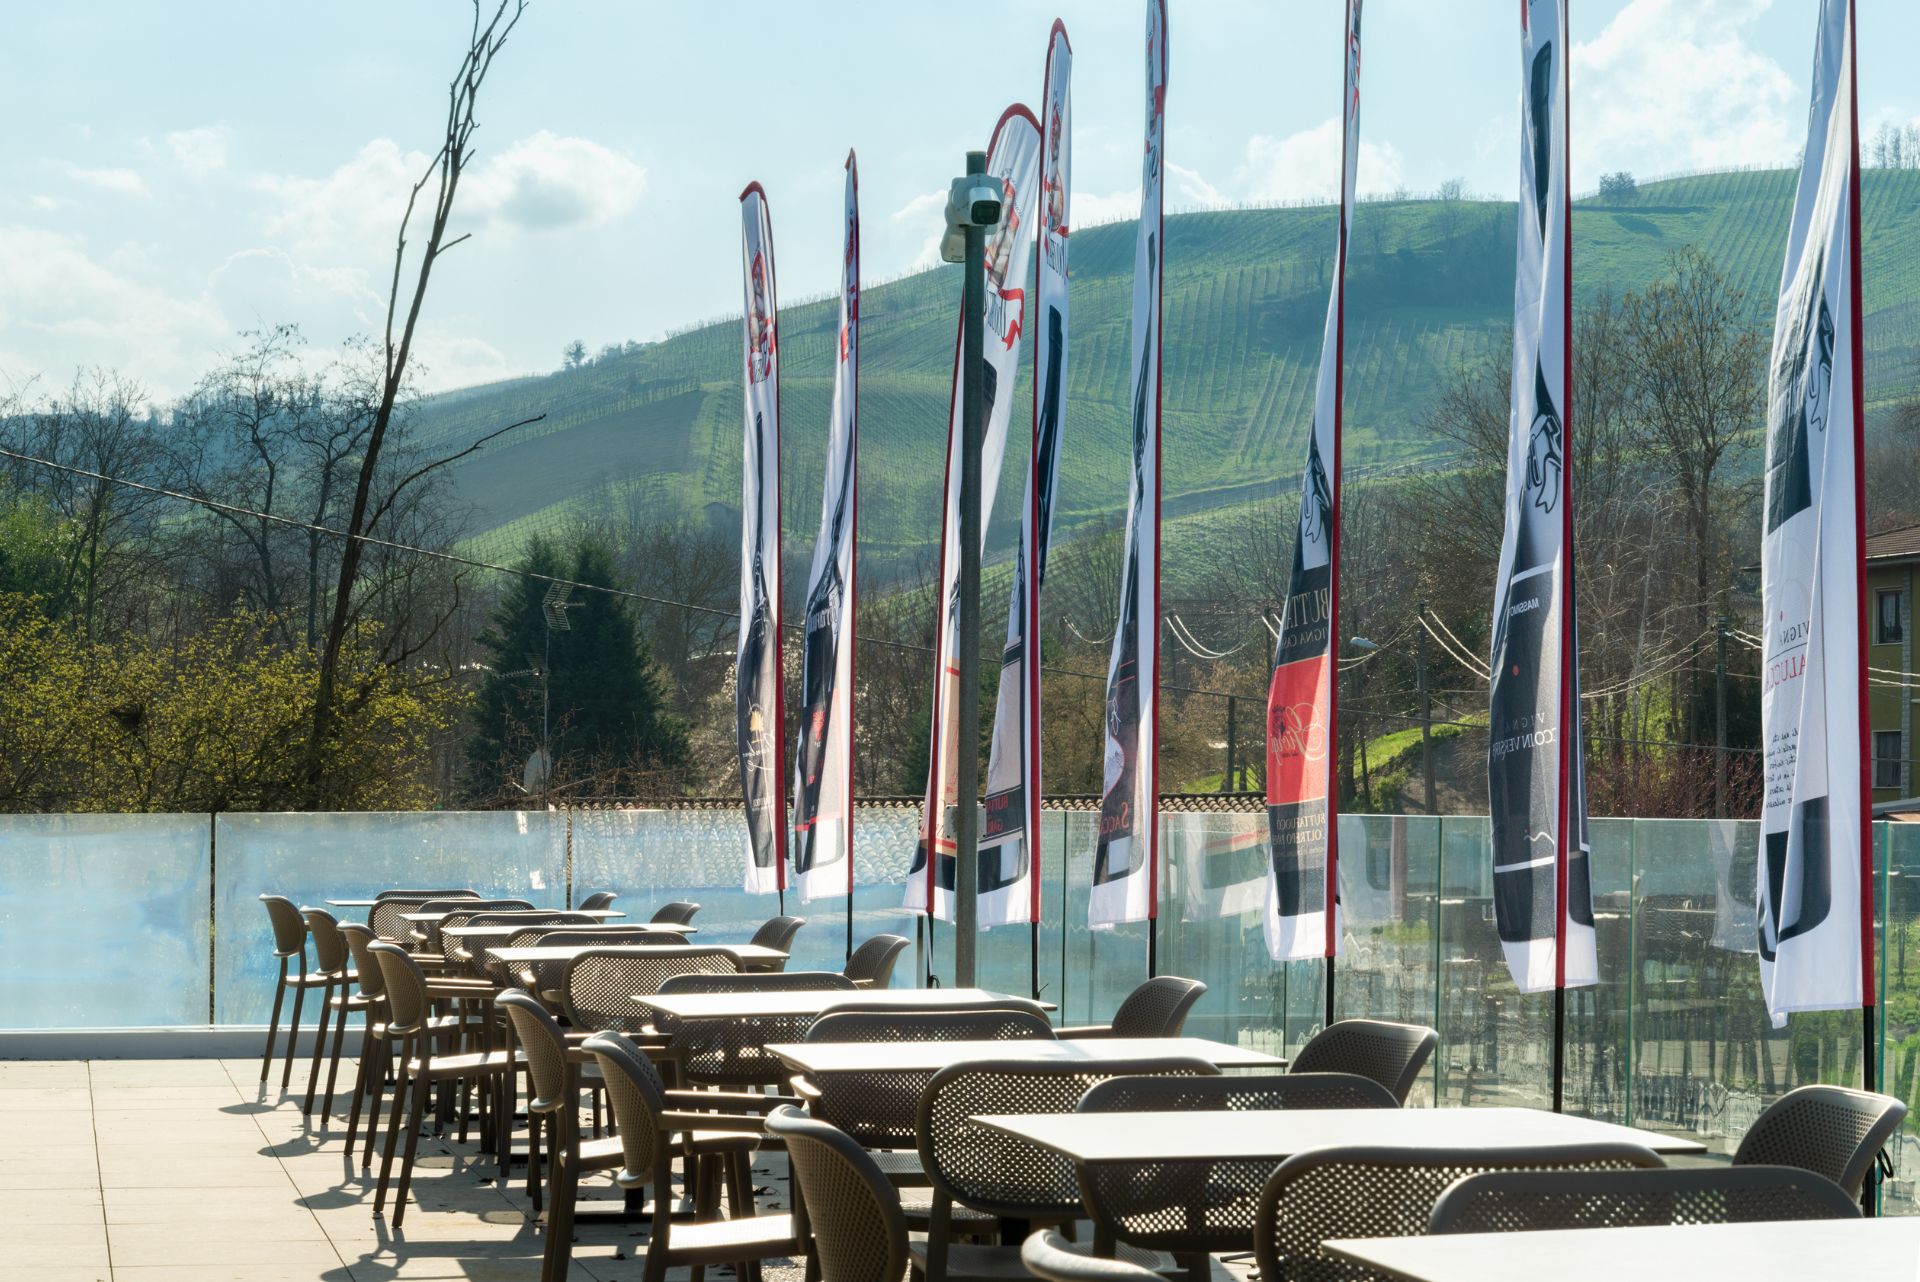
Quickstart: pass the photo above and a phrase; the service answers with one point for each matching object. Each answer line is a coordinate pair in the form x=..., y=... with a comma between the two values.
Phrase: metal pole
x=1426, y=714
x=1720, y=722
x=966, y=916
x=1559, y=1047
x=1228, y=784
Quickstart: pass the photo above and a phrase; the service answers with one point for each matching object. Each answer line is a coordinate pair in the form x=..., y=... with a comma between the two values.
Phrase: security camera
x=972, y=201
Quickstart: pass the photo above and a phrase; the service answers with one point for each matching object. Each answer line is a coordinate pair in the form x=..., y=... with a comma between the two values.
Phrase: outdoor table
x=506, y=930
x=528, y=954
x=687, y=1006
x=928, y=1057
x=1273, y=1135
x=1883, y=1248
x=427, y=919
x=351, y=903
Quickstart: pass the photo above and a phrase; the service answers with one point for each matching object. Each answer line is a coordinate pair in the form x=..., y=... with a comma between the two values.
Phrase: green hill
x=1429, y=287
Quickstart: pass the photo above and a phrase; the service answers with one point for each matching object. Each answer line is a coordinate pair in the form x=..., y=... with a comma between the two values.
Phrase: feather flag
x=1126, y=867
x=1010, y=832
x=759, y=733
x=1013, y=156
x=823, y=761
x=1816, y=936
x=1302, y=720
x=1536, y=778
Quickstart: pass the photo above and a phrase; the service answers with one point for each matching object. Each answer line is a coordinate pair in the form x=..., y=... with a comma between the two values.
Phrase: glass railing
x=113, y=921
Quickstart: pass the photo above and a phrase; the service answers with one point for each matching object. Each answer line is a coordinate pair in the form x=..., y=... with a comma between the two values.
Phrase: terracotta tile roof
x=1895, y=545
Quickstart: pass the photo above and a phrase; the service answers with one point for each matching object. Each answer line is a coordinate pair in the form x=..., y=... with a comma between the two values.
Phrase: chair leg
x=273, y=1025
x=333, y=1062
x=293, y=1033
x=319, y=1046
x=563, y=1189
x=377, y=1070
x=393, y=1126
x=359, y=1086
x=533, y=1161
x=418, y=1116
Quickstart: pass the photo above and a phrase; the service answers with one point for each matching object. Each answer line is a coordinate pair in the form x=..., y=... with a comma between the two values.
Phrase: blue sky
x=178, y=173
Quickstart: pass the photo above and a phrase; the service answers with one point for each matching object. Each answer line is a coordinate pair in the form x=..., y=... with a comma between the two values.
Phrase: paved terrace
x=186, y=1171
x=190, y=1171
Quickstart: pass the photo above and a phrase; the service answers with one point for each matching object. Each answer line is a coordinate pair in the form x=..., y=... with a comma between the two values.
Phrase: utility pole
x=966, y=916
x=1227, y=784
x=1720, y=721
x=1426, y=712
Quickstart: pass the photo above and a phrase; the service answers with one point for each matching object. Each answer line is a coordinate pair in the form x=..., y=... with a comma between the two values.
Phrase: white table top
x=351, y=903
x=507, y=929
x=561, y=952
x=746, y=1005
x=599, y=914
x=923, y=1057
x=1277, y=1134
x=1801, y=1249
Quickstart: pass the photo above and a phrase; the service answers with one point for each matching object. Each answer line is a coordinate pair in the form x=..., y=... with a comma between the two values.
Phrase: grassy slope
x=1429, y=288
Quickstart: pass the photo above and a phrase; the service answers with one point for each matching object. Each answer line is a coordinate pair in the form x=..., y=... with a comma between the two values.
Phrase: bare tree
x=486, y=38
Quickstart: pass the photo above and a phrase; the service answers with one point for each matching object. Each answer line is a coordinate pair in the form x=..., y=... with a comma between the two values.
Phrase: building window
x=1886, y=759
x=1890, y=626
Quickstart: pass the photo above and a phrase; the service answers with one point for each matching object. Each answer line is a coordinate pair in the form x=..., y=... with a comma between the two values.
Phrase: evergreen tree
x=608, y=728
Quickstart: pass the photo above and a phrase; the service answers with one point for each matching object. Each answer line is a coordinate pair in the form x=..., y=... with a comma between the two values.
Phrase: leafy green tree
x=33, y=546
x=605, y=721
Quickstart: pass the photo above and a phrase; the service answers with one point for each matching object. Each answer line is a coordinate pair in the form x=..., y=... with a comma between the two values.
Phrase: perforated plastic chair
x=545, y=979
x=1190, y=1208
x=331, y=963
x=462, y=951
x=853, y=1215
x=1386, y=1191
x=1391, y=1054
x=1000, y=1174
x=1830, y=1130
x=376, y=1048
x=289, y=942
x=1050, y=1257
x=1519, y=1201
x=1157, y=1008
x=647, y=1130
x=458, y=912
x=775, y=932
x=598, y=901
x=732, y=1052
x=597, y=986
x=871, y=965
x=792, y=981
x=678, y=913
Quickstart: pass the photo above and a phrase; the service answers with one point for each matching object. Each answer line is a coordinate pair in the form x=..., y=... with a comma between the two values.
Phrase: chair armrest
x=1083, y=1032
x=674, y=1120
x=804, y=1087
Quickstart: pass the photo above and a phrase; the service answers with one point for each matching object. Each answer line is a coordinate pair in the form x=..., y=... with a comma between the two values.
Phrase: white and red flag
x=823, y=760
x=1302, y=720
x=1013, y=156
x=1815, y=911
x=1536, y=777
x=759, y=733
x=1126, y=865
x=1010, y=828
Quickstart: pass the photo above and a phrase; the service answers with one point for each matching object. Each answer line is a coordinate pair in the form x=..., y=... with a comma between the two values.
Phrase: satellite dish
x=539, y=770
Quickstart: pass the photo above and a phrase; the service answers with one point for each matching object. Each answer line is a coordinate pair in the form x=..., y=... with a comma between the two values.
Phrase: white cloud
x=1675, y=84
x=122, y=181
x=199, y=151
x=545, y=181
x=1306, y=165
x=1090, y=210
x=925, y=206
x=1189, y=188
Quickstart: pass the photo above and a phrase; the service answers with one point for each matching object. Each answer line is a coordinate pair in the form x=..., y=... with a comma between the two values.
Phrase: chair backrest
x=385, y=919
x=360, y=940
x=1236, y=1093
x=1391, y=1054
x=872, y=962
x=289, y=927
x=597, y=901
x=1002, y=1174
x=329, y=948
x=458, y=912
x=1050, y=1257
x=1514, y=1201
x=999, y=1025
x=548, y=976
x=548, y=1072
x=778, y=932
x=598, y=985
x=1830, y=1130
x=1157, y=1008
x=853, y=1210
x=880, y=1109
x=473, y=953
x=637, y=1098
x=764, y=981
x=1388, y=1191
x=1152, y=1206
x=406, y=985
x=679, y=913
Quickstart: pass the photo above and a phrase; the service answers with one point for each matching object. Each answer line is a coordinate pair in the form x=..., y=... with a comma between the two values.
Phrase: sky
x=178, y=174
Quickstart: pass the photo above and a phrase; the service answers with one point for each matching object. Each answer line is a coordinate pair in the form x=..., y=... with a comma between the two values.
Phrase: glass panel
x=1389, y=869
x=1103, y=965
x=1900, y=1057
x=311, y=858
x=103, y=920
x=1212, y=906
